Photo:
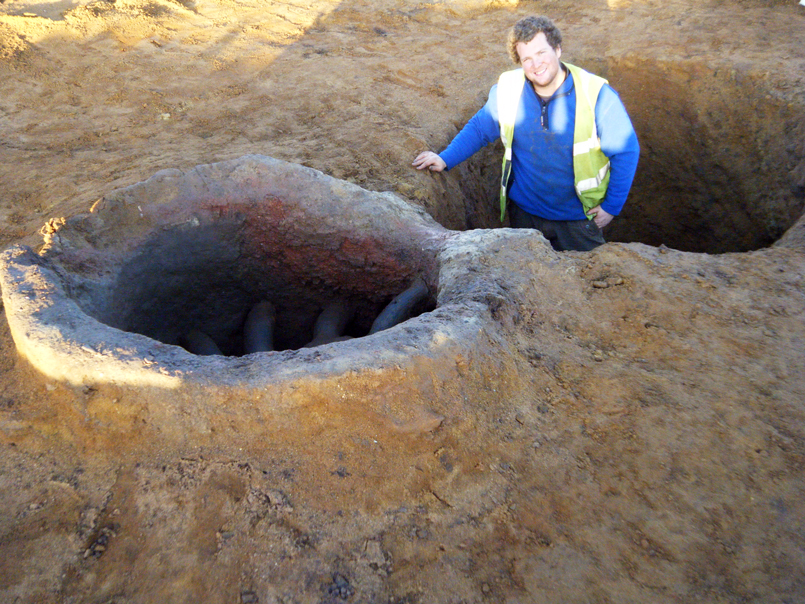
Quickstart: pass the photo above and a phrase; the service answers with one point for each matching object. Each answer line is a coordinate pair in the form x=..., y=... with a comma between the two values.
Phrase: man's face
x=540, y=63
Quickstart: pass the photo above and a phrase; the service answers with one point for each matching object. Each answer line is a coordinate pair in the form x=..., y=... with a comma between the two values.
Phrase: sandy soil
x=650, y=443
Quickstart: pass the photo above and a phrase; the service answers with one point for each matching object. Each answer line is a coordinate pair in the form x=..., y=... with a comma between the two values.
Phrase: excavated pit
x=109, y=296
x=721, y=166
x=208, y=272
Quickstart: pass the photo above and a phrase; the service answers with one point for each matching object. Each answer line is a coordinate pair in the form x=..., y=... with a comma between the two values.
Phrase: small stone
x=485, y=588
x=340, y=587
x=600, y=284
x=341, y=472
x=248, y=597
x=598, y=356
x=373, y=552
x=276, y=498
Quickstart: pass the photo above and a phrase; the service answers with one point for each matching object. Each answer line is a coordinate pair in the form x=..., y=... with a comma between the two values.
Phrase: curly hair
x=527, y=28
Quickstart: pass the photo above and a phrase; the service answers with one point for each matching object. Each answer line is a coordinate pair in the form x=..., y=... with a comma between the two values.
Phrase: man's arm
x=481, y=130
x=429, y=160
x=601, y=217
x=619, y=143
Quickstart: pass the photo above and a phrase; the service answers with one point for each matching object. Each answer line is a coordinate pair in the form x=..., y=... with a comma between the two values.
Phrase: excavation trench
x=722, y=166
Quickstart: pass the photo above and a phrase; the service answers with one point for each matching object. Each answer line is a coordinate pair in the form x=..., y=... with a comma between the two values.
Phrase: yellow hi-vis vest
x=590, y=165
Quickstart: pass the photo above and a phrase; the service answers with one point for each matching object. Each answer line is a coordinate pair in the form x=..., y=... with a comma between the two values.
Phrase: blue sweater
x=542, y=180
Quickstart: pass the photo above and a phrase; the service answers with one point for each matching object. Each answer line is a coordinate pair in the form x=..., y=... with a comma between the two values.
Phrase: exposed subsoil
x=643, y=443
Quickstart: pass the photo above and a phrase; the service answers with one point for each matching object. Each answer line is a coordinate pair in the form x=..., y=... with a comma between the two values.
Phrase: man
x=571, y=150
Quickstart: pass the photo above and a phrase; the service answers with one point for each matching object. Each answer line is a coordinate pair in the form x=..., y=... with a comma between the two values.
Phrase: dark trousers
x=564, y=235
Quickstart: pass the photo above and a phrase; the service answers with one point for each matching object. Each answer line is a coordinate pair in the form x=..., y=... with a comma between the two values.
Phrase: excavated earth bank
x=619, y=426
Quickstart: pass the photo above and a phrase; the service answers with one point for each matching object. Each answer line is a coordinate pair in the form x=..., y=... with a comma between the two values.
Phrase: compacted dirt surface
x=641, y=439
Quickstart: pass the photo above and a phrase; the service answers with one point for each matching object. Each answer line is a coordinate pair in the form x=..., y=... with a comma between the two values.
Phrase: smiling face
x=540, y=62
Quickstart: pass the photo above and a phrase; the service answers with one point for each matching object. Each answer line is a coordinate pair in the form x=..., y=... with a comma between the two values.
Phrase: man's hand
x=429, y=160
x=600, y=216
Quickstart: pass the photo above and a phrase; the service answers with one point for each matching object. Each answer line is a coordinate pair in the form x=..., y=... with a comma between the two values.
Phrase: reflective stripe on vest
x=590, y=165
